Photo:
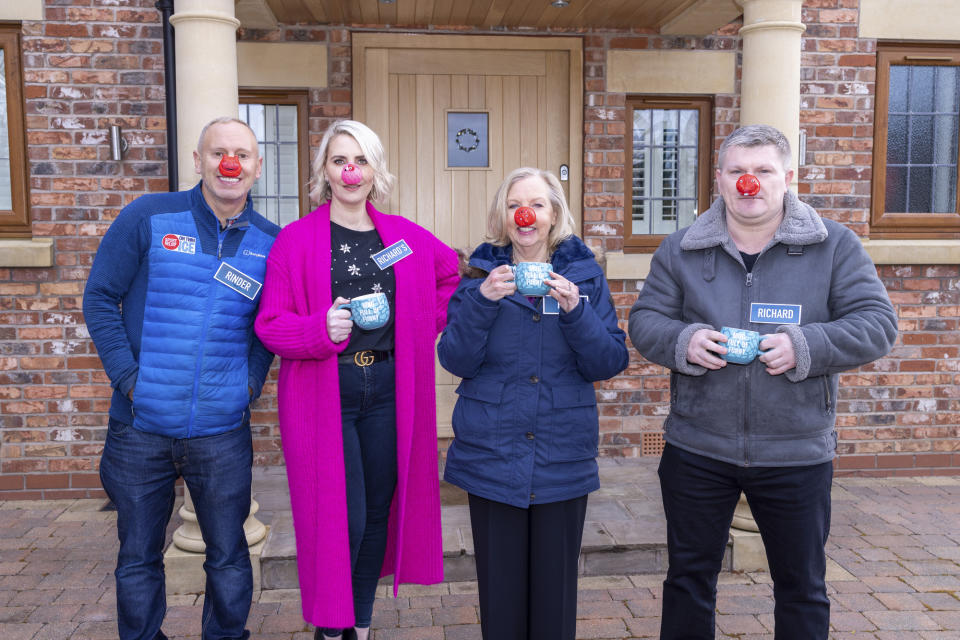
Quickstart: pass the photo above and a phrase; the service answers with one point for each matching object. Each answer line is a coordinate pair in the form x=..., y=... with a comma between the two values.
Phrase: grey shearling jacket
x=741, y=414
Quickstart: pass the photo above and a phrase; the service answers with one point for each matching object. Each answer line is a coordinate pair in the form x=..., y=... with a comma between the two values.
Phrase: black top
x=748, y=260
x=354, y=273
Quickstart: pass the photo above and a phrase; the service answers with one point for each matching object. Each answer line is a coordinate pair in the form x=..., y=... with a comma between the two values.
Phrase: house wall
x=95, y=64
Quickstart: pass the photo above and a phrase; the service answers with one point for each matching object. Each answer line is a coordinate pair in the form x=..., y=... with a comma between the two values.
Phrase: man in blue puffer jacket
x=758, y=260
x=170, y=304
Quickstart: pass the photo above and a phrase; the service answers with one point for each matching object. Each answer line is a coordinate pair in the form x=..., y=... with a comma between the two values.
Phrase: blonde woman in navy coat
x=526, y=422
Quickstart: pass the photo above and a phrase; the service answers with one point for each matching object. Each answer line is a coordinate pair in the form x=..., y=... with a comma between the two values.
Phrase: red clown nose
x=352, y=175
x=748, y=185
x=230, y=167
x=524, y=217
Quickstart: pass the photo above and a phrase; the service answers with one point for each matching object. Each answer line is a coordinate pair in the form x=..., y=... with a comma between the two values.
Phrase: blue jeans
x=791, y=506
x=138, y=471
x=369, y=414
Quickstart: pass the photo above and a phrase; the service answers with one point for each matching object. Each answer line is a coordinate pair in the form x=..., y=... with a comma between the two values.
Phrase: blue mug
x=529, y=277
x=742, y=345
x=370, y=311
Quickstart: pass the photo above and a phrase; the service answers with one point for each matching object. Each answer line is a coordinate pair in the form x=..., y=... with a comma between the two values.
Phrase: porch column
x=770, y=73
x=206, y=47
x=206, y=37
x=769, y=94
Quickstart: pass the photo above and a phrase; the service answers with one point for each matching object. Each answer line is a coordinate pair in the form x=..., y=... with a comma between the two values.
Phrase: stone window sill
x=15, y=252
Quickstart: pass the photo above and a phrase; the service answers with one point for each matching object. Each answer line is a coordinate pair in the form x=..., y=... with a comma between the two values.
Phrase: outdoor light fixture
x=118, y=146
x=387, y=1
x=560, y=3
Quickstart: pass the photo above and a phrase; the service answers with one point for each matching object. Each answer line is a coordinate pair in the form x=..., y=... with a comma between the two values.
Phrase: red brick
x=48, y=481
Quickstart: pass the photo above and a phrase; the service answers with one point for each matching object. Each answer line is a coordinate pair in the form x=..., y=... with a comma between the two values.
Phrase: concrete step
x=619, y=537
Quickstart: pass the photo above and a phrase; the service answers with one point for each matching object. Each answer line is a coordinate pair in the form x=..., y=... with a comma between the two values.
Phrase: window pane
x=277, y=192
x=665, y=161
x=896, y=190
x=944, y=190
x=945, y=144
x=921, y=89
x=922, y=139
x=898, y=82
x=897, y=140
x=6, y=188
x=920, y=190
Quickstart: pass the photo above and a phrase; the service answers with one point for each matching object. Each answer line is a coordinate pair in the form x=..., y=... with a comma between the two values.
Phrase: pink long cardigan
x=292, y=324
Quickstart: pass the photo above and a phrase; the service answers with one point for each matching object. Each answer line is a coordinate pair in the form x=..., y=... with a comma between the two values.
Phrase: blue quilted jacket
x=170, y=304
x=526, y=420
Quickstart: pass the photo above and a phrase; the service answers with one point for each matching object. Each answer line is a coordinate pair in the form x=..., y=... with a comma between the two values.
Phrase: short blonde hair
x=497, y=222
x=226, y=120
x=372, y=150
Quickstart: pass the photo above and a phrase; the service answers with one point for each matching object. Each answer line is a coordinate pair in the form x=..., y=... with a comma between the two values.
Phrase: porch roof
x=678, y=17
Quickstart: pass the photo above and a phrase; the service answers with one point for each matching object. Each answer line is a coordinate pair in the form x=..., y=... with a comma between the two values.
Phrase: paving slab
x=893, y=569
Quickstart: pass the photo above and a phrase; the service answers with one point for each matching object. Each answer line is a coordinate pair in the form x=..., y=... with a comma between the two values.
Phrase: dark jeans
x=138, y=471
x=369, y=415
x=527, y=562
x=791, y=506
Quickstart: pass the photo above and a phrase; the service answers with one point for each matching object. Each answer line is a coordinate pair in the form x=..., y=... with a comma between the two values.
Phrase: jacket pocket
x=476, y=416
x=575, y=424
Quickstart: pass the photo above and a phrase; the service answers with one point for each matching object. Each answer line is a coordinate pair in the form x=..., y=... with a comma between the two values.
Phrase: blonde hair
x=497, y=223
x=372, y=149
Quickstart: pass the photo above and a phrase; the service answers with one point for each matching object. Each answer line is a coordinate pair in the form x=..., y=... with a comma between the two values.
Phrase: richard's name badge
x=238, y=281
x=766, y=313
x=392, y=254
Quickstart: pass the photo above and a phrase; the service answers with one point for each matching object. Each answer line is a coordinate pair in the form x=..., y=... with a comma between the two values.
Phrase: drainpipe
x=165, y=7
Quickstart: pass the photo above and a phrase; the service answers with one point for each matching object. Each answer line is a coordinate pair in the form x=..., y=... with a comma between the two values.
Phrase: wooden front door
x=531, y=91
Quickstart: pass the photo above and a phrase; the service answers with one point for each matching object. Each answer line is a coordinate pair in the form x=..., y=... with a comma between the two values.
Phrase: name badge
x=238, y=281
x=764, y=313
x=552, y=308
x=392, y=254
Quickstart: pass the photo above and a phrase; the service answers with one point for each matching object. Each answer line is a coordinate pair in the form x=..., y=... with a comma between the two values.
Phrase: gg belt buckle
x=363, y=358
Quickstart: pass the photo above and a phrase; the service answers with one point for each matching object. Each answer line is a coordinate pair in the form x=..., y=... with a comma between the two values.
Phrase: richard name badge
x=238, y=281
x=392, y=254
x=767, y=313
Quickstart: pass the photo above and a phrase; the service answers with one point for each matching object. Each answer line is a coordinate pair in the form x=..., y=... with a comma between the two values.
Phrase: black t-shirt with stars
x=354, y=273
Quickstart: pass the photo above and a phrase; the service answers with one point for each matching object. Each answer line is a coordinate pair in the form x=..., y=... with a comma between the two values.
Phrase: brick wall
x=86, y=67
x=94, y=63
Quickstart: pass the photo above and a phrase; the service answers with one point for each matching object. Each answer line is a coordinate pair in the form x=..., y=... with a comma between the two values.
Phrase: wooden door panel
x=530, y=88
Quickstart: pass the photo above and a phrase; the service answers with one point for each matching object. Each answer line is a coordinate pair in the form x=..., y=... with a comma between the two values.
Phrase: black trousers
x=791, y=506
x=527, y=564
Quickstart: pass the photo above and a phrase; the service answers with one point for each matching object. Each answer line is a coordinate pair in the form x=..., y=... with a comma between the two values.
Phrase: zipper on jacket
x=746, y=411
x=826, y=393
x=750, y=278
x=221, y=235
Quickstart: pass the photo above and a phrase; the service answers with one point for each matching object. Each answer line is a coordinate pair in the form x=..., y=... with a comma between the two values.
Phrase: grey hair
x=225, y=120
x=372, y=148
x=757, y=135
x=497, y=215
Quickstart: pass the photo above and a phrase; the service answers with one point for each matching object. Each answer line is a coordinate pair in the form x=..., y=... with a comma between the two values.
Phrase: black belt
x=365, y=358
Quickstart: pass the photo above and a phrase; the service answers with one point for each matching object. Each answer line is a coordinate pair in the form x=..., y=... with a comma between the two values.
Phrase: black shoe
x=347, y=634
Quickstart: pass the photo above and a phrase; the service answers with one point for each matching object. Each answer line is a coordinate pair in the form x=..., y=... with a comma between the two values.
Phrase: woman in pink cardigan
x=357, y=405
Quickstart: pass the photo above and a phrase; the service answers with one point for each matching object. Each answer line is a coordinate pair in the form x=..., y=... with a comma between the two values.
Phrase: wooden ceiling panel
x=649, y=14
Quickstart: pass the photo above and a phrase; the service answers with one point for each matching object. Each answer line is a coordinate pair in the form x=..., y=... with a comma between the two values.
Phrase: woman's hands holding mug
x=498, y=284
x=339, y=323
x=564, y=292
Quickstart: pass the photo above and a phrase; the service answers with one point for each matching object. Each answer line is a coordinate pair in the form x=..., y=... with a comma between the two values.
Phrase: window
x=916, y=142
x=279, y=118
x=14, y=216
x=668, y=178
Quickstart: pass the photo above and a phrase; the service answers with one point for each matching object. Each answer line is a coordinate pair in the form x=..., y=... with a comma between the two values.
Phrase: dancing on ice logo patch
x=183, y=244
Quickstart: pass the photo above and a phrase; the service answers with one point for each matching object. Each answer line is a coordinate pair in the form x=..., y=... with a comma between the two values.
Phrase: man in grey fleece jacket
x=765, y=262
